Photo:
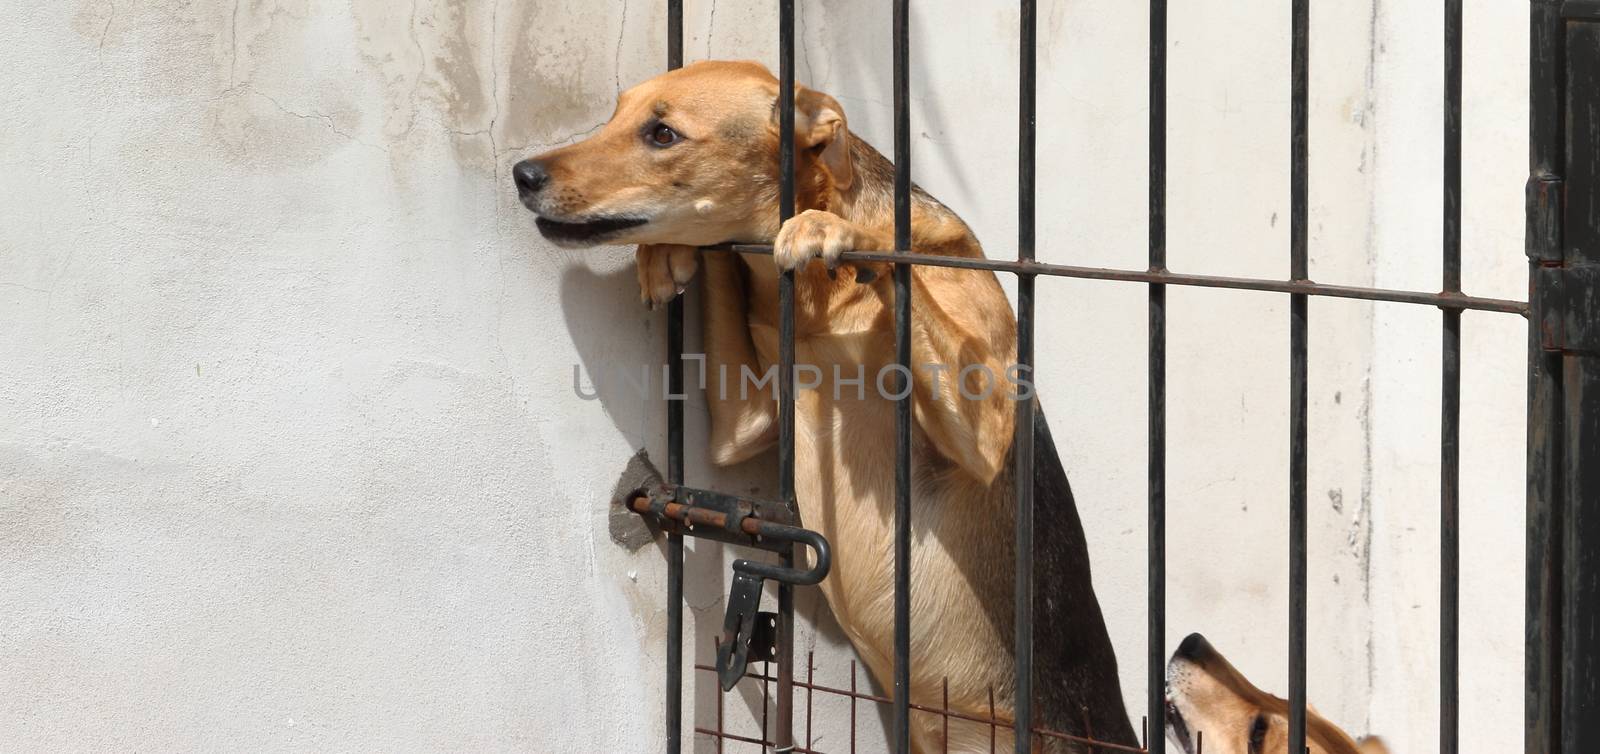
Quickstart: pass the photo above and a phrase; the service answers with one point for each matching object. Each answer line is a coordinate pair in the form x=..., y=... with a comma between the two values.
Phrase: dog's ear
x=1372, y=745
x=819, y=125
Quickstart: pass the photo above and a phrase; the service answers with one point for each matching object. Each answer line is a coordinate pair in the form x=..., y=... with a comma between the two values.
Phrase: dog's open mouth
x=585, y=230
x=1178, y=728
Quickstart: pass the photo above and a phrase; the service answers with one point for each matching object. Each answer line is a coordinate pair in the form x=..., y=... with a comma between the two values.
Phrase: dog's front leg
x=743, y=416
x=815, y=234
x=664, y=270
x=963, y=340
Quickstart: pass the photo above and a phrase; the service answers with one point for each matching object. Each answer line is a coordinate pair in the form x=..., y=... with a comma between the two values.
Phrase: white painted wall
x=290, y=456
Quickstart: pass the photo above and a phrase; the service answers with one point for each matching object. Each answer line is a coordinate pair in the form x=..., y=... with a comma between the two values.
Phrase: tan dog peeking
x=690, y=158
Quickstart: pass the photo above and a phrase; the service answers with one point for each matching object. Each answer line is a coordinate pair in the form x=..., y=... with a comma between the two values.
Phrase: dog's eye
x=663, y=135
x=1258, y=734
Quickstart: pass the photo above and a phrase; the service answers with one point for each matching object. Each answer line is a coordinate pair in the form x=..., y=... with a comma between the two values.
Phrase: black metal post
x=1578, y=314
x=784, y=737
x=902, y=349
x=1299, y=270
x=1450, y=398
x=1027, y=128
x=1545, y=532
x=1156, y=524
x=674, y=690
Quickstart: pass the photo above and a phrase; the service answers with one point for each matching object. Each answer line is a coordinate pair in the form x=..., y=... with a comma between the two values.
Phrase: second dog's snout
x=1194, y=647
x=530, y=176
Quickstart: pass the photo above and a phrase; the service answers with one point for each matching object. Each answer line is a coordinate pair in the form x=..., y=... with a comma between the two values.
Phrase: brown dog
x=690, y=158
x=1207, y=695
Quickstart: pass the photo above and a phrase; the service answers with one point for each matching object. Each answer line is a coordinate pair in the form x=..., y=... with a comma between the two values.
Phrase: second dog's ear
x=819, y=125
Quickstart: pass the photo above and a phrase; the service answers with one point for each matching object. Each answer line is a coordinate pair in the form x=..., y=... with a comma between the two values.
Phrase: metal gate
x=1563, y=504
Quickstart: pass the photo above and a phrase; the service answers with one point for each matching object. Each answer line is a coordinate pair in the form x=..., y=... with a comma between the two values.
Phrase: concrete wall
x=290, y=456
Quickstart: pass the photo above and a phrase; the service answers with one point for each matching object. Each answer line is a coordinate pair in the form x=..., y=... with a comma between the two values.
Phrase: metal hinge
x=1546, y=195
x=1567, y=305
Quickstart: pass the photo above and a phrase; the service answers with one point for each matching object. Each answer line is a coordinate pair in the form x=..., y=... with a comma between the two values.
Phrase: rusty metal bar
x=721, y=736
x=719, y=707
x=852, y=707
x=811, y=669
x=770, y=534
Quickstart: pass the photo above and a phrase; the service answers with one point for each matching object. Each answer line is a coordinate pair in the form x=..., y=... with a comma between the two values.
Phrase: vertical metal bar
x=852, y=707
x=944, y=717
x=902, y=349
x=992, y=720
x=1450, y=398
x=1026, y=142
x=811, y=685
x=1156, y=524
x=720, y=697
x=786, y=208
x=674, y=690
x=1580, y=244
x=674, y=34
x=784, y=738
x=1299, y=95
x=1543, y=667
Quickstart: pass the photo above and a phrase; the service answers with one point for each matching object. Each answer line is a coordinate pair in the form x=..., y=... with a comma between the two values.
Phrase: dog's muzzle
x=532, y=178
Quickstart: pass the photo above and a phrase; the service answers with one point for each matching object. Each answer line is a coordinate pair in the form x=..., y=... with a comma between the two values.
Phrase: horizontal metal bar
x=722, y=513
x=748, y=740
x=1441, y=300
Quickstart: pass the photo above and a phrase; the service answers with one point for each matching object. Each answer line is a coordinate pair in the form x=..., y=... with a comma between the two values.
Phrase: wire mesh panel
x=862, y=700
x=1564, y=419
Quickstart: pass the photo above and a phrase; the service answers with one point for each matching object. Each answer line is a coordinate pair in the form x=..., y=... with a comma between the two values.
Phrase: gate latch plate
x=747, y=633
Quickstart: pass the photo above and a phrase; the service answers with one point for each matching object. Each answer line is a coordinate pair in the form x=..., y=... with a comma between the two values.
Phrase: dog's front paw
x=812, y=234
x=664, y=271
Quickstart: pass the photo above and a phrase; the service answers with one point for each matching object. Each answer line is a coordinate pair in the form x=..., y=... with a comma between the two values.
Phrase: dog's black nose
x=1194, y=647
x=530, y=176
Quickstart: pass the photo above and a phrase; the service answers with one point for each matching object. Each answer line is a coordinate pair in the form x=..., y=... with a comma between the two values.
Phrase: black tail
x=1076, y=686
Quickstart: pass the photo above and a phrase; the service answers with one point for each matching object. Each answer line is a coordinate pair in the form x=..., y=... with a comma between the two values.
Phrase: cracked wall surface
x=290, y=454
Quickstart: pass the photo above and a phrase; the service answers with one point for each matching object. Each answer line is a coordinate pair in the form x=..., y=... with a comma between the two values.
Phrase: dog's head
x=689, y=157
x=1206, y=694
